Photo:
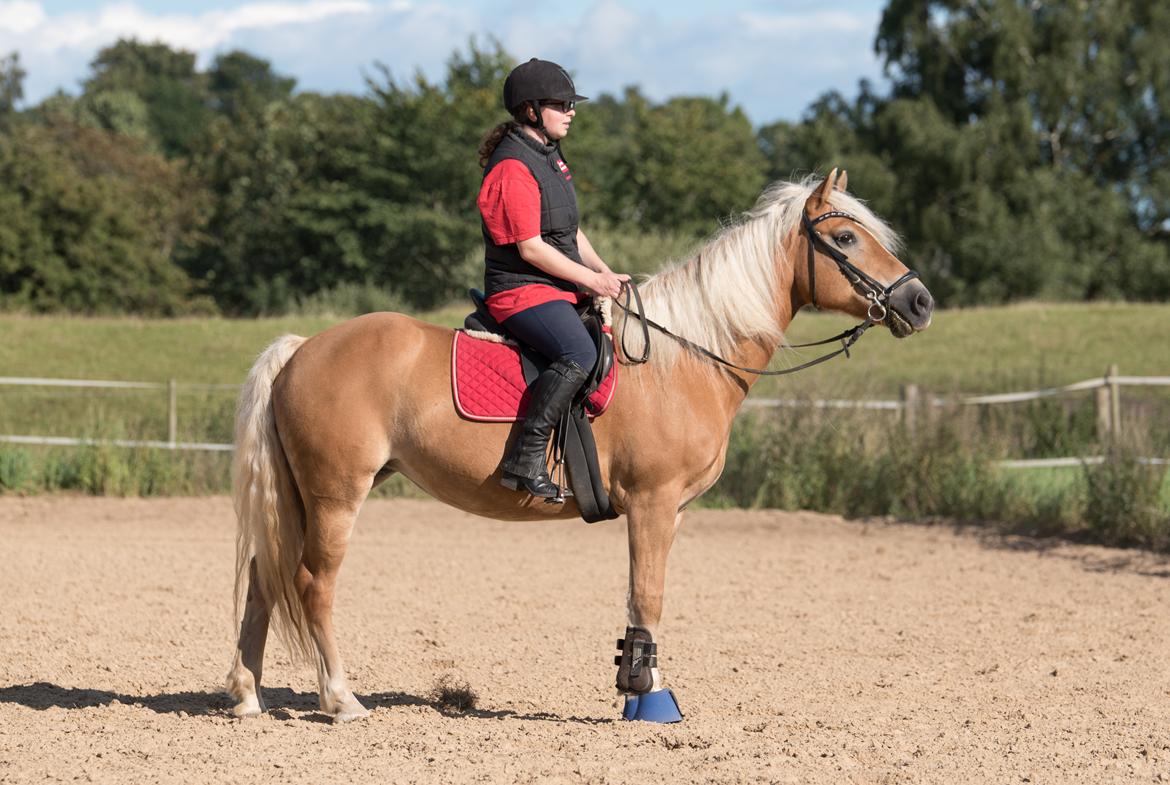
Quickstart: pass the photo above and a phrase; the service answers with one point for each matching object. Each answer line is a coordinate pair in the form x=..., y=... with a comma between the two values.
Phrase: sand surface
x=803, y=649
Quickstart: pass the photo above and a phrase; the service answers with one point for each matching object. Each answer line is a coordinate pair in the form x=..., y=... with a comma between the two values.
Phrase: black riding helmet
x=536, y=81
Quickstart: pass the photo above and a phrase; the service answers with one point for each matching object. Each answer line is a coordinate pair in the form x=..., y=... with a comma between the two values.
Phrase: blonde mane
x=727, y=291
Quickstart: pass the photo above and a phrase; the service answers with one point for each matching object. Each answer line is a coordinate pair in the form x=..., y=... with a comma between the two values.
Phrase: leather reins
x=877, y=295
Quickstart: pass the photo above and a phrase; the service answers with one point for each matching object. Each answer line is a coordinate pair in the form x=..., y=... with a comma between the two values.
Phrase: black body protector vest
x=506, y=269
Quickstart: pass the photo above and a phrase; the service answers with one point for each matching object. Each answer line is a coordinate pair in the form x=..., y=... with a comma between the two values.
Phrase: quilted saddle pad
x=488, y=382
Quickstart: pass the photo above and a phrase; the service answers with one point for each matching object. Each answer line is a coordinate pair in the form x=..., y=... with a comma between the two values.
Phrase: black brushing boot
x=526, y=466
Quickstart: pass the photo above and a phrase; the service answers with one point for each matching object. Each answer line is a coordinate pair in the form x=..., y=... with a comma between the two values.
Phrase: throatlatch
x=636, y=662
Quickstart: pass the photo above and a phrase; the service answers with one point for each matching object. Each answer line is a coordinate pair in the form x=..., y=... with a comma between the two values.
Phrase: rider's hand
x=607, y=284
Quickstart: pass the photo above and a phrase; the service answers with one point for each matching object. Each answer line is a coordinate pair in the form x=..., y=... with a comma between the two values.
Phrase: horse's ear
x=820, y=197
x=842, y=181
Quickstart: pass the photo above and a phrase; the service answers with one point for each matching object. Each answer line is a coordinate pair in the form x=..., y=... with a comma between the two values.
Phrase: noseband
x=877, y=295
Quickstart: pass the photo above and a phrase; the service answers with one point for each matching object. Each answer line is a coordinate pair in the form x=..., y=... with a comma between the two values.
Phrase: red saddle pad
x=488, y=382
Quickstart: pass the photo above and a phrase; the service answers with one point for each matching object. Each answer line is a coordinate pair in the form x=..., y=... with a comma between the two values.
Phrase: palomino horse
x=322, y=421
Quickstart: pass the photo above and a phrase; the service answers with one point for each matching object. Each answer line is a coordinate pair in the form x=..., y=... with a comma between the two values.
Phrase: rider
x=539, y=262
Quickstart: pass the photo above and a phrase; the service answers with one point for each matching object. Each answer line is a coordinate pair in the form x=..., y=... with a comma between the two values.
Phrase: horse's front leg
x=651, y=527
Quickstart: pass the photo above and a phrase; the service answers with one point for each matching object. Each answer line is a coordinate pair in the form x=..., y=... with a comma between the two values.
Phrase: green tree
x=322, y=192
x=424, y=173
x=11, y=84
x=90, y=224
x=315, y=193
x=117, y=111
x=165, y=80
x=1075, y=94
x=1020, y=150
x=240, y=83
x=683, y=165
x=259, y=166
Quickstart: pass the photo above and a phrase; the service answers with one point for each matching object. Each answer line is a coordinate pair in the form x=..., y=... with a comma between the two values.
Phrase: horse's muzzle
x=909, y=309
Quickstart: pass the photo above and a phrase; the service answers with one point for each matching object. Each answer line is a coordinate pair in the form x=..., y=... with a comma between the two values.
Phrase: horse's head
x=842, y=265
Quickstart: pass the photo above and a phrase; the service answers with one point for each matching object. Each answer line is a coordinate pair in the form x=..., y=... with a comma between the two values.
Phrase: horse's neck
x=729, y=387
x=725, y=389
x=755, y=353
x=734, y=385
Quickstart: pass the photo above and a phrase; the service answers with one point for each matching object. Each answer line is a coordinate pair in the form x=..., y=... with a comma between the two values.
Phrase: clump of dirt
x=451, y=694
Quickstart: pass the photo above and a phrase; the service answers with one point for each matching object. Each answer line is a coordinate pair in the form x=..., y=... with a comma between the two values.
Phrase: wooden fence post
x=172, y=412
x=1104, y=412
x=1114, y=402
x=910, y=401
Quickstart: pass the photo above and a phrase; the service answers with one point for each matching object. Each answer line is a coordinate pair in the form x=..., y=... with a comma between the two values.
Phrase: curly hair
x=492, y=140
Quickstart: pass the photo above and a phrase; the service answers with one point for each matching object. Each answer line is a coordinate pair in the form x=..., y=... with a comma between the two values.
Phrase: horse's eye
x=846, y=238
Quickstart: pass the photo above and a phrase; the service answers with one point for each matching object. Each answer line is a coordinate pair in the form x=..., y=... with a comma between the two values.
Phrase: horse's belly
x=485, y=497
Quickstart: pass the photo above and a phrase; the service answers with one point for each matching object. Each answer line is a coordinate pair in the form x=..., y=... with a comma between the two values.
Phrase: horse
x=323, y=420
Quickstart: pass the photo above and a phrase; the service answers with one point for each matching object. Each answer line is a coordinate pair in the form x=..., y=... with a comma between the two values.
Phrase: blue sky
x=773, y=58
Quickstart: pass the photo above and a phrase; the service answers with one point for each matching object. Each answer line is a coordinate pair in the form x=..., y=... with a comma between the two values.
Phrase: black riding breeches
x=554, y=329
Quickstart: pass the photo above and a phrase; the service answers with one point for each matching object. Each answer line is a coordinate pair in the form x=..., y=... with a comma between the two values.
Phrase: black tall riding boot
x=526, y=466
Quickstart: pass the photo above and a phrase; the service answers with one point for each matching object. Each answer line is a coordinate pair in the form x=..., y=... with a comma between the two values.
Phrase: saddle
x=488, y=386
x=491, y=372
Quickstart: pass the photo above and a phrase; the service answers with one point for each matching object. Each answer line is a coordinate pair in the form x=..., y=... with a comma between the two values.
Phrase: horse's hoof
x=657, y=706
x=350, y=714
x=249, y=707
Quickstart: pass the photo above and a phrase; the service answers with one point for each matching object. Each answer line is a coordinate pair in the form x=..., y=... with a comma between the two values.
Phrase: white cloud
x=789, y=25
x=20, y=17
x=190, y=31
x=773, y=64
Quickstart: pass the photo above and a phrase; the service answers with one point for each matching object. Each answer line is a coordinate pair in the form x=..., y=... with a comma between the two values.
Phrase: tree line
x=1021, y=149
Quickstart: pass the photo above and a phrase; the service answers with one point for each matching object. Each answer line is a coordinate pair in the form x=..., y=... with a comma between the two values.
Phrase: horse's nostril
x=922, y=304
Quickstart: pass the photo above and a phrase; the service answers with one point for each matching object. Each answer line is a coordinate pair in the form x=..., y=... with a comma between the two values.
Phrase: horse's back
x=371, y=340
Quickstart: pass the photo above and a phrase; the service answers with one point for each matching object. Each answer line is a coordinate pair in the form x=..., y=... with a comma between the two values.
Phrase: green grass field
x=986, y=350
x=975, y=350
x=970, y=350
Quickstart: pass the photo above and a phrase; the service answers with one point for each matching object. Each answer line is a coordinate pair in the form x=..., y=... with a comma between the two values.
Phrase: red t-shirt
x=509, y=201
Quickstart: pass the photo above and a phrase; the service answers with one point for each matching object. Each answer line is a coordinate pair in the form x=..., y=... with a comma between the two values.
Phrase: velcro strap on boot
x=639, y=656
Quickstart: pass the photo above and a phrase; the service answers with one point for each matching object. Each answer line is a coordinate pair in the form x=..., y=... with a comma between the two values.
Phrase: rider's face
x=556, y=119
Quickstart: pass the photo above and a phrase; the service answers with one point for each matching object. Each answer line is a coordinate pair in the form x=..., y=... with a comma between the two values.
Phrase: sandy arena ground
x=803, y=648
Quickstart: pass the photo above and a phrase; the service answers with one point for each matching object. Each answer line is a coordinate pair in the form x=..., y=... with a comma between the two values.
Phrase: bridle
x=877, y=295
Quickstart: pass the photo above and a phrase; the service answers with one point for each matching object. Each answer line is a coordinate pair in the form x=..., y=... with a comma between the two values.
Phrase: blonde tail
x=269, y=512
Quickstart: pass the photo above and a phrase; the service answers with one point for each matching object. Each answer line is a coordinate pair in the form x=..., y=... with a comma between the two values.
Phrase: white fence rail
x=796, y=403
x=68, y=441
x=171, y=386
x=912, y=404
x=1108, y=410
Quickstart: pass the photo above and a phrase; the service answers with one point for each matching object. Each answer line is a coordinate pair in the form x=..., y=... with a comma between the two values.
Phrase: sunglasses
x=561, y=106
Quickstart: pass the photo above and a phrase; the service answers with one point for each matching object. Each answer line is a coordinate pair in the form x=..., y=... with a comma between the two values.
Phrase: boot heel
x=510, y=482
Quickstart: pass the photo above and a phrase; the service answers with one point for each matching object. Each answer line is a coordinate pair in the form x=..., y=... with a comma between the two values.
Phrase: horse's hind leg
x=329, y=524
x=243, y=680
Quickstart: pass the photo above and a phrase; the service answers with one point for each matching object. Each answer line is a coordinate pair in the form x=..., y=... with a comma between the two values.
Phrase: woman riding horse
x=323, y=420
x=540, y=265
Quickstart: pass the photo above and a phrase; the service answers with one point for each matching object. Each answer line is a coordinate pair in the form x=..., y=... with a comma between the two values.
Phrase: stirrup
x=515, y=482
